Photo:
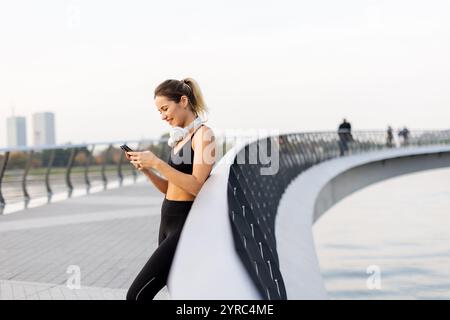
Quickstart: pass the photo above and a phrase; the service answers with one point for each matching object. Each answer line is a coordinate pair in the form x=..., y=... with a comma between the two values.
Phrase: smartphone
x=125, y=148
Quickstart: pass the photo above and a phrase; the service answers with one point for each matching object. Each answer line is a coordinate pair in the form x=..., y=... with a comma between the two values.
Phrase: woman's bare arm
x=160, y=183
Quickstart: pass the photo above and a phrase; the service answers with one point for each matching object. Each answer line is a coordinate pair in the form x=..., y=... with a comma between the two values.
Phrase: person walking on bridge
x=404, y=133
x=390, y=137
x=345, y=136
x=191, y=159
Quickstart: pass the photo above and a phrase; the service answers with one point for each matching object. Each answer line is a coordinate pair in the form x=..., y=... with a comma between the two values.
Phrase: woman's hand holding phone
x=145, y=159
x=127, y=149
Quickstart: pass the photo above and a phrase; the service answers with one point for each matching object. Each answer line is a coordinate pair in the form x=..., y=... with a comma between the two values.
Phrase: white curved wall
x=206, y=264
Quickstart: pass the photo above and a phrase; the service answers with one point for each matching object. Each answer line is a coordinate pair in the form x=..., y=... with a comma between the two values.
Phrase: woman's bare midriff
x=176, y=193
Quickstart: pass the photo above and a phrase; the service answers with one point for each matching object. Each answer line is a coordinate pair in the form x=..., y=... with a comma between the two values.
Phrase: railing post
x=47, y=175
x=68, y=171
x=26, y=196
x=90, y=156
x=2, y=174
x=105, y=180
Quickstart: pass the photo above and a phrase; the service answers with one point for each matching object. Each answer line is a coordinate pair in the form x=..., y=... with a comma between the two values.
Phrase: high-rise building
x=16, y=131
x=43, y=128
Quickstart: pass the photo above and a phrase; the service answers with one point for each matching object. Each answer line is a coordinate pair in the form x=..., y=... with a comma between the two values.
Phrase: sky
x=283, y=65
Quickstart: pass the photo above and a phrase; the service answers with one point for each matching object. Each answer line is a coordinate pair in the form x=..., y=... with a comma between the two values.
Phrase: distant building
x=16, y=131
x=44, y=128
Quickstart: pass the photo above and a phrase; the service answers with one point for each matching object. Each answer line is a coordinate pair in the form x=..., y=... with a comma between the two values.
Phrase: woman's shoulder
x=203, y=133
x=203, y=130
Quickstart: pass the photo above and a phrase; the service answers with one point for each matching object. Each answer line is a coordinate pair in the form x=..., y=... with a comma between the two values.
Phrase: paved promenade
x=89, y=247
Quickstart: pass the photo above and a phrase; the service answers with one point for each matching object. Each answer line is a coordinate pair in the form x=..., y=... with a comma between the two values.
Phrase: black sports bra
x=183, y=160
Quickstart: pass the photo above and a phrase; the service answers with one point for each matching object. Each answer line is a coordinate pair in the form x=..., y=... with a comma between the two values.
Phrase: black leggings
x=153, y=277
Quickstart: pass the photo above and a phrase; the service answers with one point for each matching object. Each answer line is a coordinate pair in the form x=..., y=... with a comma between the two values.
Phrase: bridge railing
x=34, y=172
x=253, y=197
x=47, y=172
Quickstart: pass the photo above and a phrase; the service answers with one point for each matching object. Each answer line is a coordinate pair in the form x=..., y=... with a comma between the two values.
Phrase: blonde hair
x=173, y=90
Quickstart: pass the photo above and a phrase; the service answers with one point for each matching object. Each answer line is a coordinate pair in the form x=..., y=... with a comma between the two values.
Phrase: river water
x=390, y=240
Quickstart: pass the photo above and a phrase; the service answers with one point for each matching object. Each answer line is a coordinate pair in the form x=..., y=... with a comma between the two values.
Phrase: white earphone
x=179, y=133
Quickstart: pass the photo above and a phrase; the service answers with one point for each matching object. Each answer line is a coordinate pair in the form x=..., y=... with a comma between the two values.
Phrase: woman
x=191, y=160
